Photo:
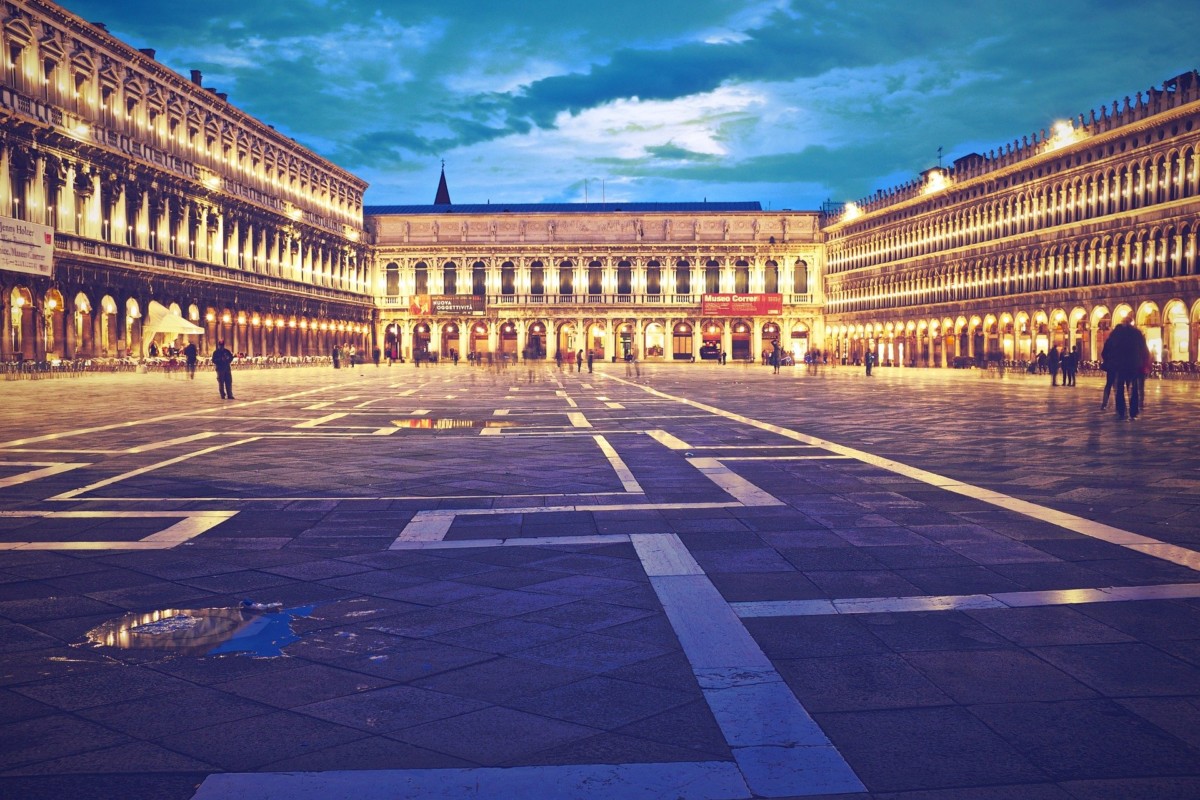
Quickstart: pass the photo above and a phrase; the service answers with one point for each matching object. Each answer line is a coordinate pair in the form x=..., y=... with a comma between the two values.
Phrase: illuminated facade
x=1049, y=241
x=151, y=187
x=154, y=188
x=615, y=279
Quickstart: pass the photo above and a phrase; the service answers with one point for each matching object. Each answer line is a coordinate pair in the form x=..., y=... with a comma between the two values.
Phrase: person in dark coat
x=192, y=357
x=1125, y=353
x=1052, y=364
x=337, y=357
x=1070, y=365
x=222, y=359
x=590, y=357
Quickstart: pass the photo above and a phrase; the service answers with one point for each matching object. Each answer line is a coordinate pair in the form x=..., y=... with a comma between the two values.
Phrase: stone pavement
x=699, y=582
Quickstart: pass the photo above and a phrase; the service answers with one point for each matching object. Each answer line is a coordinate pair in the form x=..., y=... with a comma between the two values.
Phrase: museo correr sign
x=26, y=247
x=741, y=305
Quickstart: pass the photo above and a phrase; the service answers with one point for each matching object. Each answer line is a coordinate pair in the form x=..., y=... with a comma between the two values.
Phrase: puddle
x=426, y=423
x=252, y=629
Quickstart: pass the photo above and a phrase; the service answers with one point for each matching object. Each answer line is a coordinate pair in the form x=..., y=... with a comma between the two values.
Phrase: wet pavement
x=699, y=582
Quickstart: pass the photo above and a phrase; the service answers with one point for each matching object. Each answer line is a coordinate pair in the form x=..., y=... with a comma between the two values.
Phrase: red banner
x=741, y=305
x=424, y=305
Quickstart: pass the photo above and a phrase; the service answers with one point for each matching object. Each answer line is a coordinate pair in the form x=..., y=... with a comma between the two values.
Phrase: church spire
x=443, y=194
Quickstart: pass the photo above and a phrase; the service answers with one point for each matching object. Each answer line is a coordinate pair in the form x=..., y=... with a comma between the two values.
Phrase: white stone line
x=192, y=524
x=683, y=780
x=578, y=420
x=733, y=484
x=829, y=457
x=312, y=423
x=376, y=498
x=137, y=423
x=347, y=399
x=500, y=412
x=663, y=555
x=318, y=406
x=668, y=441
x=425, y=527
x=890, y=605
x=190, y=527
x=74, y=493
x=628, y=482
x=366, y=403
x=489, y=432
x=47, y=469
x=614, y=405
x=145, y=448
x=1062, y=519
x=418, y=412
x=779, y=748
x=516, y=541
x=384, y=431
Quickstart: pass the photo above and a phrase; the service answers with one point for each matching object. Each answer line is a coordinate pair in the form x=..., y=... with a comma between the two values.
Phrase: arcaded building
x=1048, y=241
x=124, y=183
x=659, y=281
x=126, y=187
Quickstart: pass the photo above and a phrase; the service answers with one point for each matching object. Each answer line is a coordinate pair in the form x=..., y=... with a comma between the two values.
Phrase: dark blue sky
x=787, y=103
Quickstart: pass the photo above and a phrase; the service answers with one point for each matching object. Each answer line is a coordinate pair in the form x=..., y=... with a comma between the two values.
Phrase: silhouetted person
x=1125, y=353
x=222, y=359
x=590, y=356
x=191, y=356
x=1052, y=363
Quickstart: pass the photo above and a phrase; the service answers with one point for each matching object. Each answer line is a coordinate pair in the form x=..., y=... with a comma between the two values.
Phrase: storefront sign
x=741, y=305
x=26, y=247
x=425, y=305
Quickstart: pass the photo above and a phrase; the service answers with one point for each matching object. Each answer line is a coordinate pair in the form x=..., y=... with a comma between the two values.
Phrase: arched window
x=392, y=284
x=449, y=278
x=478, y=279
x=683, y=277
x=537, y=278
x=566, y=278
x=800, y=277
x=712, y=277
x=421, y=284
x=653, y=278
x=771, y=278
x=741, y=277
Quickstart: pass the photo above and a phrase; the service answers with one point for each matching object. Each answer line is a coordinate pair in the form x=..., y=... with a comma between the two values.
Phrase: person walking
x=337, y=357
x=776, y=356
x=1052, y=364
x=869, y=359
x=579, y=362
x=191, y=356
x=1124, y=353
x=376, y=354
x=222, y=359
x=1071, y=365
x=590, y=356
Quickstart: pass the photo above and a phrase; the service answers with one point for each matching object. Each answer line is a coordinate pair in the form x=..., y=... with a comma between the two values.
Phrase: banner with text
x=741, y=305
x=425, y=305
x=26, y=247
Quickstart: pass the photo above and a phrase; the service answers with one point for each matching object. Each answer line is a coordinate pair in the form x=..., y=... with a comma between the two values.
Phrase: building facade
x=154, y=188
x=662, y=282
x=1048, y=242
x=148, y=187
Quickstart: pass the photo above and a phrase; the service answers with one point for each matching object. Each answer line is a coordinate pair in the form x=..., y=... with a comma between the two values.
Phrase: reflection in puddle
x=251, y=628
x=428, y=423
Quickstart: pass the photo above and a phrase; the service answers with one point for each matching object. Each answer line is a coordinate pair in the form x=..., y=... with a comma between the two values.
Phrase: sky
x=791, y=103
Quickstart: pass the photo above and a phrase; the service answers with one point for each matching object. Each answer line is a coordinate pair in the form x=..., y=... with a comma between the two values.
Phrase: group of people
x=1125, y=360
x=1064, y=361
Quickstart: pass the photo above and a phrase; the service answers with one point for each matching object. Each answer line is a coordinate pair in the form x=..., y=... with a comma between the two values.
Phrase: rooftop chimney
x=197, y=77
x=147, y=51
x=101, y=26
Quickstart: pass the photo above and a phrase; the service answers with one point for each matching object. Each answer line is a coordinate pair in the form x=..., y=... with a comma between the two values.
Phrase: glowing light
x=935, y=181
x=852, y=211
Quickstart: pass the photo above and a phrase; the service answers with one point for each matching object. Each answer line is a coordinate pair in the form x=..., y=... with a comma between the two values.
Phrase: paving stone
x=1074, y=739
x=925, y=748
x=859, y=683
x=494, y=735
x=1126, y=669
